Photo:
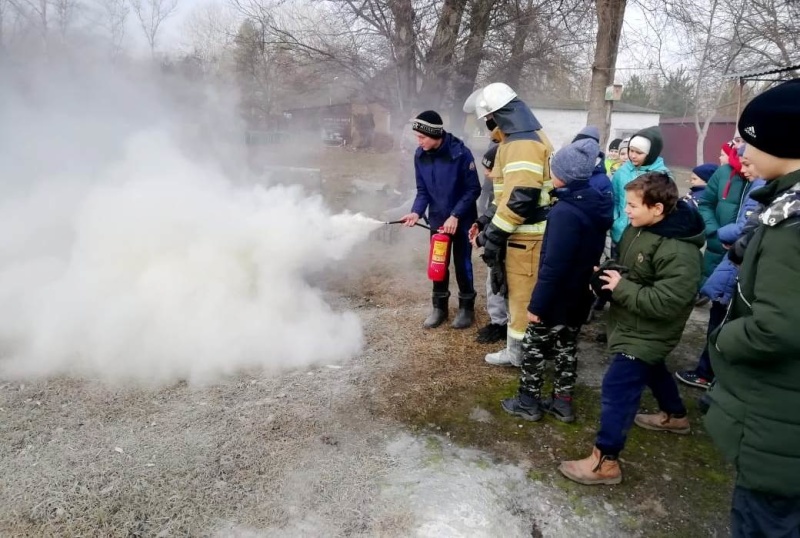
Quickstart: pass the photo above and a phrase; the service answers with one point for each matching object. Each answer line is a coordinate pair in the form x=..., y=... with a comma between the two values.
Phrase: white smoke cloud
x=140, y=263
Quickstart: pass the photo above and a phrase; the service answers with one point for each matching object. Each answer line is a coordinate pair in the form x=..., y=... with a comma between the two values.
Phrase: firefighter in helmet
x=512, y=240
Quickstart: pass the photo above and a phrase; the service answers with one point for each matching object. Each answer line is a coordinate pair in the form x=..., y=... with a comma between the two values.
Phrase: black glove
x=482, y=221
x=597, y=284
x=493, y=254
x=497, y=278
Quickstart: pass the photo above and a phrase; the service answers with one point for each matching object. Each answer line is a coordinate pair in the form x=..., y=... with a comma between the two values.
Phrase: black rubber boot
x=438, y=313
x=466, y=311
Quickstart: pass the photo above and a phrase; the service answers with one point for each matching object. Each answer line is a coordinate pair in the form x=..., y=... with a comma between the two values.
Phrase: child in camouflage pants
x=573, y=243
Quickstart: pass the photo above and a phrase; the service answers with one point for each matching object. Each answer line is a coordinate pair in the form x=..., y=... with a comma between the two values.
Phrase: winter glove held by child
x=597, y=283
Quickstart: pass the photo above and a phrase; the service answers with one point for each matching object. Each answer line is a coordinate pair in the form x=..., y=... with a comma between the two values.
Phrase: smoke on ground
x=122, y=257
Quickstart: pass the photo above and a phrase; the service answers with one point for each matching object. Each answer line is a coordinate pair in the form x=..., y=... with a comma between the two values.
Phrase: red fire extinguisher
x=439, y=256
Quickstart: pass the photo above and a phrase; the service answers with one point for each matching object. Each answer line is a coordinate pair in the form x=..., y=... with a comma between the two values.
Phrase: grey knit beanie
x=590, y=131
x=575, y=162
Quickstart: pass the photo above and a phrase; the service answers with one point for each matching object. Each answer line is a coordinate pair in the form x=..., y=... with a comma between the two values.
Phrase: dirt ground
x=406, y=439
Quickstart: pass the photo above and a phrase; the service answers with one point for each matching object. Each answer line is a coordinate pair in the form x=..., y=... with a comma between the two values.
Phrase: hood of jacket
x=781, y=198
x=653, y=134
x=683, y=223
x=597, y=205
x=517, y=122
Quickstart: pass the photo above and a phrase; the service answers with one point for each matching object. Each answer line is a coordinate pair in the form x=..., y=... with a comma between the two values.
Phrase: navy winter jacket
x=721, y=285
x=447, y=183
x=572, y=245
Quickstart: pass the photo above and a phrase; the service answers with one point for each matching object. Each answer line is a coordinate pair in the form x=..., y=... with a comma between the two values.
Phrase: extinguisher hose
x=416, y=224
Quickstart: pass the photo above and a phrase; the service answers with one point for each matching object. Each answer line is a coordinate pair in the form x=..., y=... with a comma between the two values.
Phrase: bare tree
x=112, y=18
x=610, y=15
x=768, y=31
x=65, y=12
x=467, y=70
x=438, y=61
x=36, y=12
x=210, y=31
x=705, y=32
x=402, y=38
x=151, y=14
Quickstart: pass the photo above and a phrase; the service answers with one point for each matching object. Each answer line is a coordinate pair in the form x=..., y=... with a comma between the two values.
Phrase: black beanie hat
x=615, y=144
x=769, y=122
x=428, y=123
x=489, y=156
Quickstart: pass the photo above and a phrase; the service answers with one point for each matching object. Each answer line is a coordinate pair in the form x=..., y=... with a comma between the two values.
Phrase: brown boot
x=663, y=422
x=596, y=469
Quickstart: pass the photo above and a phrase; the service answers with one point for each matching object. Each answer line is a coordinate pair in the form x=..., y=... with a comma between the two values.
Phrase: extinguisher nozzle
x=401, y=222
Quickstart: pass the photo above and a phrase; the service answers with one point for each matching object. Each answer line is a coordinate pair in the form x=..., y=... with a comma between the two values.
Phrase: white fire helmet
x=488, y=99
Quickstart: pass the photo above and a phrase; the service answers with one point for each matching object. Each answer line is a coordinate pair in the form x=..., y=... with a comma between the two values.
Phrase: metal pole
x=739, y=103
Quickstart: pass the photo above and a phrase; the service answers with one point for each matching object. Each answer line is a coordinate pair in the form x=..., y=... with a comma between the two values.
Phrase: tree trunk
x=404, y=51
x=702, y=131
x=467, y=70
x=516, y=56
x=439, y=59
x=610, y=14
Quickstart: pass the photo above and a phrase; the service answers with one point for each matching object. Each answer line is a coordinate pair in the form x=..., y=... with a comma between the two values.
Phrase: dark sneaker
x=491, y=333
x=559, y=408
x=514, y=407
x=701, y=300
x=690, y=377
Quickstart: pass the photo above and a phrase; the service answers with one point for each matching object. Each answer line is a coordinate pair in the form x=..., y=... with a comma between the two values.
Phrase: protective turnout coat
x=521, y=176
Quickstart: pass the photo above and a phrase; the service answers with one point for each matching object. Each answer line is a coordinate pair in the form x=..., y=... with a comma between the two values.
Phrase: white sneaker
x=511, y=355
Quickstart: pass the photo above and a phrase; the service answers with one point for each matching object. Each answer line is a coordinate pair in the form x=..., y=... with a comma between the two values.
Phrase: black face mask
x=491, y=124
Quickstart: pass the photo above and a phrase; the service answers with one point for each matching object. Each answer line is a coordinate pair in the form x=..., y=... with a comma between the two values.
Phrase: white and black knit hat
x=428, y=123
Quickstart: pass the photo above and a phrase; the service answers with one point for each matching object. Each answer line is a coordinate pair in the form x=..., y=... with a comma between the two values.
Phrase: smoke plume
x=121, y=257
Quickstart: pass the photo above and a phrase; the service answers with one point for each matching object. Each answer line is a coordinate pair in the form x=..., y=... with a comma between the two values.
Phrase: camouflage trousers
x=541, y=344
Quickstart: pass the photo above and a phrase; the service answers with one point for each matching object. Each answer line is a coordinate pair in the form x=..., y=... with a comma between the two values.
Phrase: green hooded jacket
x=755, y=413
x=650, y=305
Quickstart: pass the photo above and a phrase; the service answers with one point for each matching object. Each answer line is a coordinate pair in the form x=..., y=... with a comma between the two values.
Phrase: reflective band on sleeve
x=503, y=224
x=531, y=229
x=523, y=166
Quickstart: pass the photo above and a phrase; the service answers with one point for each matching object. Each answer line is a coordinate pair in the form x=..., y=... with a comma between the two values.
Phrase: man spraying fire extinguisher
x=448, y=188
